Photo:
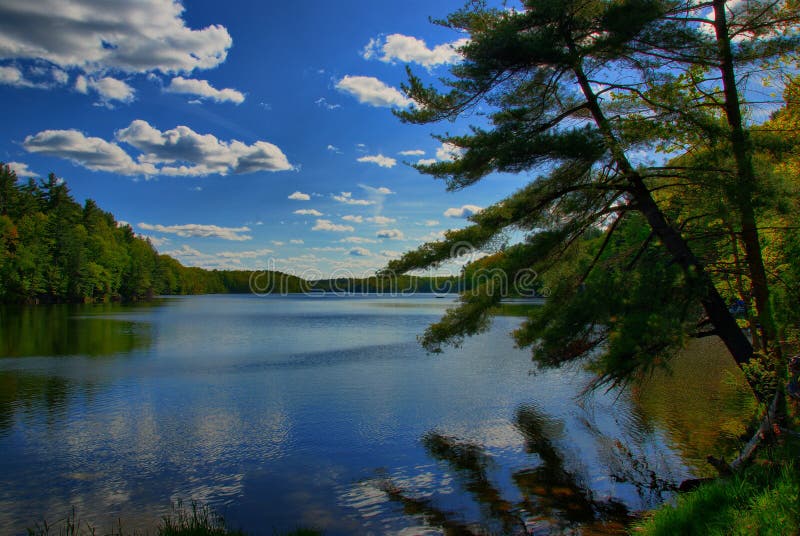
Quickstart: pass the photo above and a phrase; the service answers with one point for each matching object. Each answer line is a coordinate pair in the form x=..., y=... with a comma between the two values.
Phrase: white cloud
x=358, y=240
x=359, y=252
x=433, y=236
x=81, y=84
x=203, y=89
x=426, y=161
x=300, y=196
x=308, y=212
x=412, y=50
x=277, y=243
x=380, y=190
x=334, y=149
x=101, y=35
x=323, y=102
x=176, y=152
x=354, y=219
x=382, y=161
x=11, y=76
x=296, y=241
x=327, y=225
x=200, y=230
x=390, y=254
x=448, y=152
x=347, y=198
x=430, y=223
x=61, y=77
x=223, y=260
x=393, y=234
x=22, y=170
x=369, y=90
x=155, y=240
x=381, y=220
x=92, y=153
x=111, y=89
x=465, y=211
x=413, y=152
x=203, y=153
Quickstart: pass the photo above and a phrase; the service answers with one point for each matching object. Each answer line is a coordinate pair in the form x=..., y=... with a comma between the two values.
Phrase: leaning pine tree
x=547, y=71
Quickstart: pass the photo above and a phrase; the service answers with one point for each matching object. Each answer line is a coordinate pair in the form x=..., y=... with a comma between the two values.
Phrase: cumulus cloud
x=22, y=170
x=200, y=230
x=110, y=89
x=359, y=252
x=390, y=254
x=370, y=90
x=11, y=76
x=430, y=223
x=382, y=161
x=204, y=90
x=426, y=161
x=307, y=211
x=347, y=198
x=176, y=152
x=354, y=219
x=300, y=196
x=412, y=152
x=296, y=241
x=92, y=153
x=203, y=153
x=465, y=211
x=392, y=234
x=334, y=149
x=102, y=35
x=407, y=49
x=327, y=225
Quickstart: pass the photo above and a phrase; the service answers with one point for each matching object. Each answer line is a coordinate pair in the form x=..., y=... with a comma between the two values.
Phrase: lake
x=324, y=411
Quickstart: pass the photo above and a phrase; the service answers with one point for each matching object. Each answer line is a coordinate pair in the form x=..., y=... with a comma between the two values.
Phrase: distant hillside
x=52, y=249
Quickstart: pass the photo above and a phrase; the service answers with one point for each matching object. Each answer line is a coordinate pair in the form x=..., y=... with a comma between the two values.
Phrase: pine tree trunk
x=746, y=182
x=723, y=321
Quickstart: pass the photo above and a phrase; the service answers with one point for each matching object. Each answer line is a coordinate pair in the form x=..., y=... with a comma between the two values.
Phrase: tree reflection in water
x=553, y=497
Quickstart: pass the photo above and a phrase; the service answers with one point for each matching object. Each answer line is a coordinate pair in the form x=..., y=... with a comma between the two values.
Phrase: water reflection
x=551, y=497
x=702, y=402
x=60, y=330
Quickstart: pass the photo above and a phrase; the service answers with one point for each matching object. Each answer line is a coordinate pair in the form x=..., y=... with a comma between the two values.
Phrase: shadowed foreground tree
x=533, y=67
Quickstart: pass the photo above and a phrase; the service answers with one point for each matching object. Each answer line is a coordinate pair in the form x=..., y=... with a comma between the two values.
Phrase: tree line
x=52, y=249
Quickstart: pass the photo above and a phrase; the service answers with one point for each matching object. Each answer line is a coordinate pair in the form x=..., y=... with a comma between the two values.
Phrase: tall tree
x=545, y=70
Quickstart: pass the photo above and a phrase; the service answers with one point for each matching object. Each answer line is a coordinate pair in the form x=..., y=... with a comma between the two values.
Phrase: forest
x=52, y=249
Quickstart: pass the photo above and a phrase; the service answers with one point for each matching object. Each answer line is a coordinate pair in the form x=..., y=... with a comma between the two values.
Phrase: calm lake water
x=325, y=412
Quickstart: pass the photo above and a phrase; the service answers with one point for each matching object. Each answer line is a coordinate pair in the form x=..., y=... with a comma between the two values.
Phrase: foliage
x=54, y=250
x=763, y=499
x=637, y=259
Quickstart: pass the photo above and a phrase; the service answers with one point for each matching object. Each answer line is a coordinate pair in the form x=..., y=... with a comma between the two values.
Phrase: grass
x=196, y=520
x=764, y=499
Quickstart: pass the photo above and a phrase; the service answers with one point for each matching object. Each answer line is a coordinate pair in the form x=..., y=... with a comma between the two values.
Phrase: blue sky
x=238, y=134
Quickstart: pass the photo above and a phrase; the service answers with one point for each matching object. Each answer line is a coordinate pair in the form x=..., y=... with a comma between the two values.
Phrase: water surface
x=325, y=412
